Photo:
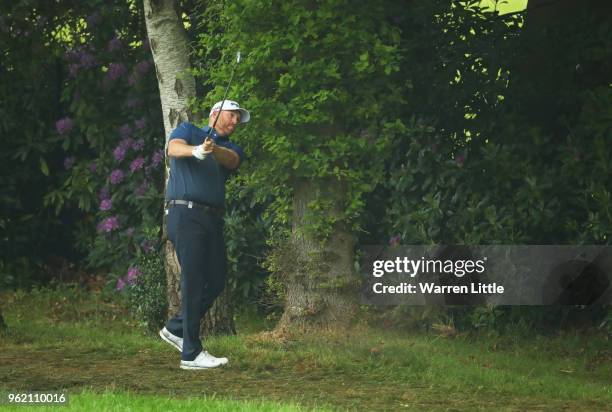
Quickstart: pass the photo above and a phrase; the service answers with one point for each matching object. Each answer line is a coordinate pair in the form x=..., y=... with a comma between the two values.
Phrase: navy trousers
x=197, y=236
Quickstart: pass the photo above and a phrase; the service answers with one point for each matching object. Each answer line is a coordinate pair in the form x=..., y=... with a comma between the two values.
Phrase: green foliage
x=30, y=79
x=318, y=87
x=245, y=234
x=430, y=114
x=443, y=160
x=528, y=168
x=147, y=296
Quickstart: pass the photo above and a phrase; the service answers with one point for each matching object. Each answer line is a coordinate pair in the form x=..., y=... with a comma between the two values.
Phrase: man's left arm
x=225, y=156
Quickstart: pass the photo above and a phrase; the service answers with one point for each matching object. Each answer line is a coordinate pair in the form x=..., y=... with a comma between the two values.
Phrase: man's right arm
x=179, y=148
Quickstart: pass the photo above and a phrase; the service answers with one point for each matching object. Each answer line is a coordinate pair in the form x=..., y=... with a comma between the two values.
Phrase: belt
x=190, y=204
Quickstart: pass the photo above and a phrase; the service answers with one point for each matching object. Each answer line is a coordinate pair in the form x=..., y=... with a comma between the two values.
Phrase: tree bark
x=319, y=277
x=169, y=46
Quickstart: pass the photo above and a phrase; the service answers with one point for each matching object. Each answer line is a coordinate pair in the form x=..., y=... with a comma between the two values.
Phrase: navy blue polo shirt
x=201, y=181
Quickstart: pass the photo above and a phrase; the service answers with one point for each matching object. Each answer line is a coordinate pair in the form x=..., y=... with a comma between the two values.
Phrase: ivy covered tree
x=319, y=79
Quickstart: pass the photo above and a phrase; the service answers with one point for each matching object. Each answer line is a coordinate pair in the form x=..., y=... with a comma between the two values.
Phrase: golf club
x=224, y=97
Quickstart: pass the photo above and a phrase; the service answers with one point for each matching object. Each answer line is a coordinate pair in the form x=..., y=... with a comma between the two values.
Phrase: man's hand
x=209, y=145
x=200, y=152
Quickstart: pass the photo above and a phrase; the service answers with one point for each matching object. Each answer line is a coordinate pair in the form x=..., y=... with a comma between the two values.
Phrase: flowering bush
x=111, y=134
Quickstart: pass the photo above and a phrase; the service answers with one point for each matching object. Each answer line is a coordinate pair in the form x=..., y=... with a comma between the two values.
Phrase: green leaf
x=43, y=167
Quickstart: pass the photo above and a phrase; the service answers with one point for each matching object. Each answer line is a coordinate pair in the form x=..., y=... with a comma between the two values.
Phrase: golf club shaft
x=224, y=97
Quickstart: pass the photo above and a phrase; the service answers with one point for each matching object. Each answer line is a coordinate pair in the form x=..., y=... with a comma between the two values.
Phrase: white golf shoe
x=172, y=340
x=177, y=343
x=222, y=361
x=202, y=361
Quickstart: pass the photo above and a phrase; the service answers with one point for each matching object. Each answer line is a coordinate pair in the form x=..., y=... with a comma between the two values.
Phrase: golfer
x=199, y=167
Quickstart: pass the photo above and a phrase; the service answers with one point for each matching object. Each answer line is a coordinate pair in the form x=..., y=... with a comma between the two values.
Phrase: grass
x=86, y=345
x=88, y=400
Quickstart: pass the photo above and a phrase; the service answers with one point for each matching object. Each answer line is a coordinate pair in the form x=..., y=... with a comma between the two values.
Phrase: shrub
x=145, y=287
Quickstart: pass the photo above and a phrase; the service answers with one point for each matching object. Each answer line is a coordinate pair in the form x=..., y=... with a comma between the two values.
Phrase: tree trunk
x=169, y=46
x=219, y=319
x=319, y=277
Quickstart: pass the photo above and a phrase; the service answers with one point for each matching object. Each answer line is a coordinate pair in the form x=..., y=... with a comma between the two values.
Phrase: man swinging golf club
x=201, y=160
x=200, y=163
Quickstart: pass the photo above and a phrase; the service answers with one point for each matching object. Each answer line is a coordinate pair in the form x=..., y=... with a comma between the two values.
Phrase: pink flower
x=395, y=240
x=137, y=164
x=147, y=246
x=126, y=143
x=109, y=224
x=133, y=273
x=116, y=176
x=119, y=153
x=120, y=284
x=138, y=145
x=157, y=158
x=64, y=125
x=106, y=204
